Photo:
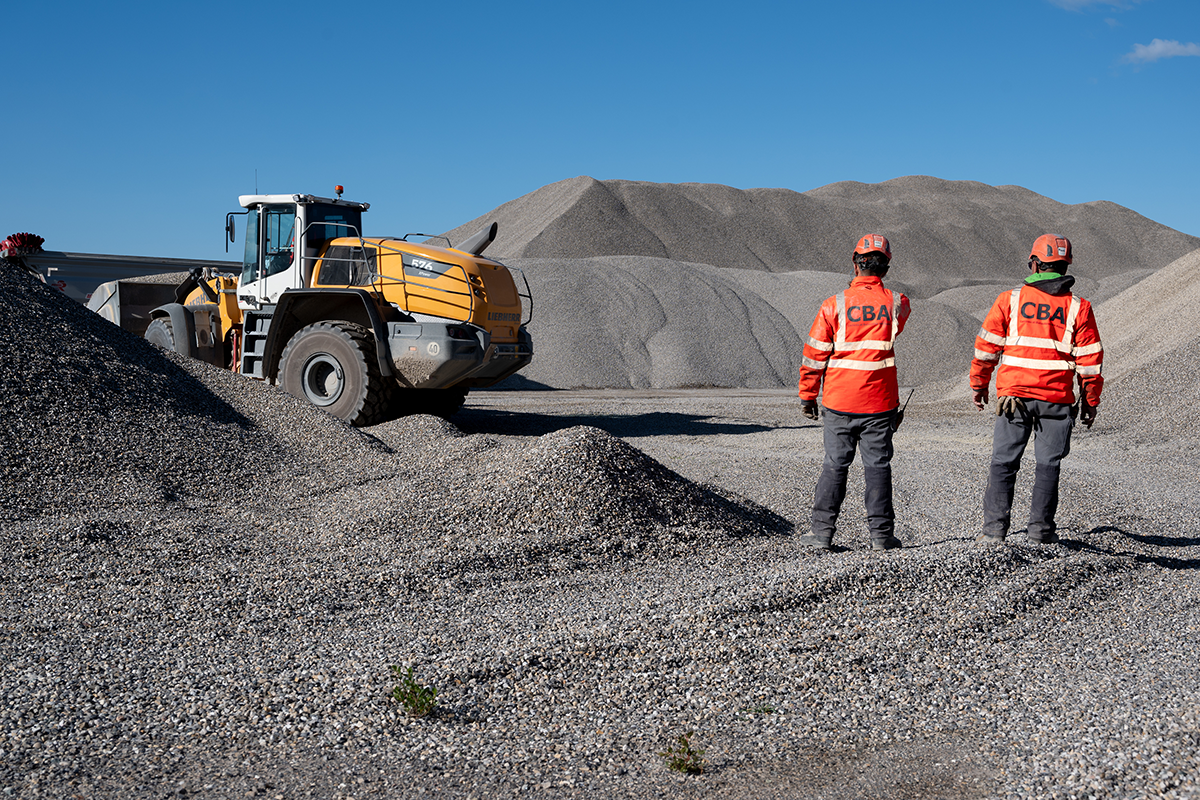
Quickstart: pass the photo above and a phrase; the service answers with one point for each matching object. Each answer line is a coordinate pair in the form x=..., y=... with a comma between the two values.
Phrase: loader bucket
x=128, y=303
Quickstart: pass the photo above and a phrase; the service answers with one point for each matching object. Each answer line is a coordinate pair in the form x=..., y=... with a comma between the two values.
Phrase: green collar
x=1042, y=276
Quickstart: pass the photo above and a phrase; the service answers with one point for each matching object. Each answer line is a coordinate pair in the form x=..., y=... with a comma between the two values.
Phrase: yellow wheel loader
x=367, y=328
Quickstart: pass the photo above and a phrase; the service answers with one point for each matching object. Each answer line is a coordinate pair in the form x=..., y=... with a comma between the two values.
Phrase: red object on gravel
x=19, y=244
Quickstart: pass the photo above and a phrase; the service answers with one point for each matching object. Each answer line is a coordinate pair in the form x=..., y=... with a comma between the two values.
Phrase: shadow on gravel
x=1167, y=562
x=1156, y=541
x=657, y=423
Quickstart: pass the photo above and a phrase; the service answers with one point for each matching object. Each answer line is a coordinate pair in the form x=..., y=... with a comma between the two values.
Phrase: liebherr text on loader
x=367, y=328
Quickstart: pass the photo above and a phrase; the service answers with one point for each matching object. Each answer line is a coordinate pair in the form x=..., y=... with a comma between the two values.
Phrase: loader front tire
x=333, y=366
x=161, y=333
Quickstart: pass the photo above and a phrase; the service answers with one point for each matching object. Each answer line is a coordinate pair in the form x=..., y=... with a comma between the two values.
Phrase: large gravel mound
x=1151, y=335
x=644, y=285
x=637, y=322
x=634, y=322
x=944, y=233
x=1157, y=404
x=1154, y=316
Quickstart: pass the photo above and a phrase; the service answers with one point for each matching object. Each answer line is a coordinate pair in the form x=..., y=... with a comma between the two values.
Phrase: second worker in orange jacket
x=1040, y=339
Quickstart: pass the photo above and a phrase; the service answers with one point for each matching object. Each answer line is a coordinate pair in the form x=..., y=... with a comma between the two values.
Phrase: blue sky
x=131, y=128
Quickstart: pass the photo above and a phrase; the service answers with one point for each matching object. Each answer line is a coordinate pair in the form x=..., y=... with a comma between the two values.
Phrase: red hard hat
x=1051, y=247
x=874, y=243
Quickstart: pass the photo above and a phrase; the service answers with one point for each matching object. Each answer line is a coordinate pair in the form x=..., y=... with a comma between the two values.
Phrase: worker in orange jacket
x=850, y=350
x=1044, y=339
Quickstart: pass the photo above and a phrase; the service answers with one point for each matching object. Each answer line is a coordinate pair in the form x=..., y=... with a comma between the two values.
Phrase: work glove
x=1087, y=413
x=1010, y=407
x=809, y=409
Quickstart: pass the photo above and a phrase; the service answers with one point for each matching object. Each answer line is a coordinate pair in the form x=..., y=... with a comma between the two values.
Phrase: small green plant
x=759, y=709
x=683, y=757
x=417, y=700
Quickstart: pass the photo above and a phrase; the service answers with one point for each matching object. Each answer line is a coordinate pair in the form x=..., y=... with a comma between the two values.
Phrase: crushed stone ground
x=205, y=583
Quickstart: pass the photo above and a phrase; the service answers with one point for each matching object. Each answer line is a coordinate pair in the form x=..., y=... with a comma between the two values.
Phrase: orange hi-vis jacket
x=1043, y=337
x=851, y=347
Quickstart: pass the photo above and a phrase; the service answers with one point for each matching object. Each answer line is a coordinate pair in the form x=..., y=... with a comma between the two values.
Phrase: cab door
x=269, y=265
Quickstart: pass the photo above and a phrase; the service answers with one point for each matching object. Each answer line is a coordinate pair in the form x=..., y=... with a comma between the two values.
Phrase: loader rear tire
x=161, y=333
x=333, y=366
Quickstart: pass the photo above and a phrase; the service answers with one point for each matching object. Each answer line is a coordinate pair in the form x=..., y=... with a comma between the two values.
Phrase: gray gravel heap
x=209, y=602
x=576, y=496
x=637, y=322
x=650, y=285
x=89, y=407
x=1155, y=316
x=944, y=233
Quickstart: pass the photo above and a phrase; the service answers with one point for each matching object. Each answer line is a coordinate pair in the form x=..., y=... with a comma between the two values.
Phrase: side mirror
x=229, y=231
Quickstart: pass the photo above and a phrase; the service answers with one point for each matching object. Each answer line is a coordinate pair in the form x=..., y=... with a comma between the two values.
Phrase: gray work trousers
x=871, y=435
x=1050, y=424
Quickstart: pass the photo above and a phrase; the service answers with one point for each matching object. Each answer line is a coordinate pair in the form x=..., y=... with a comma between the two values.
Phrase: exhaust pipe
x=475, y=245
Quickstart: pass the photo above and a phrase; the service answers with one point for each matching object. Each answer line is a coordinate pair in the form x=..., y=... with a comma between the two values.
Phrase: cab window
x=345, y=265
x=327, y=222
x=279, y=223
x=250, y=256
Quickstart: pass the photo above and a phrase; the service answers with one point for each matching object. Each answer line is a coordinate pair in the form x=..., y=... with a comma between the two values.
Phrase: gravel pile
x=1151, y=336
x=95, y=414
x=944, y=233
x=582, y=495
x=1153, y=317
x=1156, y=405
x=637, y=322
x=644, y=285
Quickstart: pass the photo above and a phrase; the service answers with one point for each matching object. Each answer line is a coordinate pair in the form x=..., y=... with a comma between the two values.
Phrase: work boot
x=990, y=538
x=816, y=541
x=1049, y=537
x=887, y=543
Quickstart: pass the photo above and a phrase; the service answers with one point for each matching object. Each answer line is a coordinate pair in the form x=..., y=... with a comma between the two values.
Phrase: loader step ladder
x=255, y=327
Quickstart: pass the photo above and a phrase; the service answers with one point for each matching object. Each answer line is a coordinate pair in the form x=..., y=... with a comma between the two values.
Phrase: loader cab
x=284, y=237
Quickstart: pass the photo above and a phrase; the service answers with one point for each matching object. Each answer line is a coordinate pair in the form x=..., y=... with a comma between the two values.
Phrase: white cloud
x=1080, y=5
x=1159, y=49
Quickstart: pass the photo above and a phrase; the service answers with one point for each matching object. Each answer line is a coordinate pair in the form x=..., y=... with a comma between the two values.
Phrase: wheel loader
x=366, y=328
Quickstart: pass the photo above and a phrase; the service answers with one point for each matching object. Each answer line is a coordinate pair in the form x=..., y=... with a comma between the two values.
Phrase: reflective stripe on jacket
x=850, y=349
x=1044, y=339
